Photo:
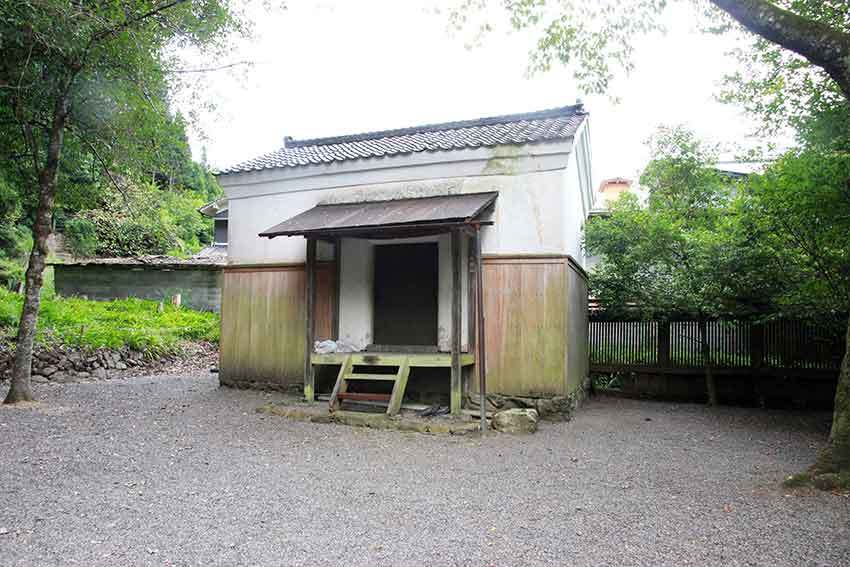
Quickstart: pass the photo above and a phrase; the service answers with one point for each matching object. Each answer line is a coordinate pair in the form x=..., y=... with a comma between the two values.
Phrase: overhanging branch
x=819, y=43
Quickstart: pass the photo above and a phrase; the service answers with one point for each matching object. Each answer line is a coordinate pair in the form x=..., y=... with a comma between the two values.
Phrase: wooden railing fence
x=737, y=347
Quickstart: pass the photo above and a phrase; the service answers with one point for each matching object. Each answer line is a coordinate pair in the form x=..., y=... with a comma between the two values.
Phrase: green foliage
x=115, y=62
x=594, y=39
x=681, y=253
x=799, y=213
x=797, y=480
x=11, y=272
x=145, y=219
x=133, y=323
x=81, y=235
x=781, y=88
x=15, y=239
x=119, y=236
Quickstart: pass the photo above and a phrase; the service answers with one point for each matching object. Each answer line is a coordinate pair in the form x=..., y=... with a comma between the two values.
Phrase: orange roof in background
x=614, y=181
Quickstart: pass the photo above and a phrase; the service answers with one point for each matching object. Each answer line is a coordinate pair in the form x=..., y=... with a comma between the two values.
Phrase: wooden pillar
x=337, y=287
x=479, y=330
x=457, y=382
x=310, y=306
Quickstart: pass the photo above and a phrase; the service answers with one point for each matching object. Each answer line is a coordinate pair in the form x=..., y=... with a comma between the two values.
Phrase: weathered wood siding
x=262, y=323
x=578, y=359
x=525, y=310
x=535, y=309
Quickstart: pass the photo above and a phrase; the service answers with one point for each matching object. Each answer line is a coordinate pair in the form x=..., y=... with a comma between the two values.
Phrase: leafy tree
x=682, y=254
x=86, y=83
x=799, y=213
x=597, y=38
x=783, y=89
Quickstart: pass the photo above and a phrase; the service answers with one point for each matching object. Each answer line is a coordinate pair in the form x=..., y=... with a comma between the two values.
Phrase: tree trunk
x=710, y=385
x=822, y=45
x=835, y=457
x=21, y=371
x=19, y=390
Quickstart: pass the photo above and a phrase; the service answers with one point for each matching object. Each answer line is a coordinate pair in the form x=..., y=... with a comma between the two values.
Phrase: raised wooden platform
x=429, y=360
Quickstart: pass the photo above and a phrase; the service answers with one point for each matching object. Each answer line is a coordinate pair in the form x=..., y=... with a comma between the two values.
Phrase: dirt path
x=176, y=471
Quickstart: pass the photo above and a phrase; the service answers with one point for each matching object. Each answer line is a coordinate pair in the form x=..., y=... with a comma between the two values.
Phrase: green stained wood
x=310, y=319
x=525, y=305
x=340, y=386
x=456, y=390
x=431, y=360
x=362, y=376
x=398, y=389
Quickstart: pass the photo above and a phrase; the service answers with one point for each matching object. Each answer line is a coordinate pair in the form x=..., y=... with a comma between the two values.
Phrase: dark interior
x=406, y=287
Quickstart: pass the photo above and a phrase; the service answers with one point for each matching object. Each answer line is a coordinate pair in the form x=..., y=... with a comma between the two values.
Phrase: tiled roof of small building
x=545, y=125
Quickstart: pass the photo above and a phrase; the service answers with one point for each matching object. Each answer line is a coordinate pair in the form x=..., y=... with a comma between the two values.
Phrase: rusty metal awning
x=401, y=216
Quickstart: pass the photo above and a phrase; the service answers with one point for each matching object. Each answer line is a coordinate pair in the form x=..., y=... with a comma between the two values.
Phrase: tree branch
x=104, y=166
x=214, y=68
x=130, y=21
x=819, y=43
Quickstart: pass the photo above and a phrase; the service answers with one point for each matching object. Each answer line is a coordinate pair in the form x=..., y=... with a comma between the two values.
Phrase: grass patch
x=835, y=482
x=797, y=480
x=133, y=323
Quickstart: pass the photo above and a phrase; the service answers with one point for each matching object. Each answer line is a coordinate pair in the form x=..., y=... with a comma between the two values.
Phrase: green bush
x=147, y=220
x=81, y=235
x=133, y=323
x=11, y=273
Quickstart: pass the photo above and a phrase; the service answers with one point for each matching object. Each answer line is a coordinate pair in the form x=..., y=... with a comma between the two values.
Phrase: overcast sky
x=336, y=67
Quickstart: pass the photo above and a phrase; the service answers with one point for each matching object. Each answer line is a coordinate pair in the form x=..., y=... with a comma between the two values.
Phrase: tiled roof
x=545, y=125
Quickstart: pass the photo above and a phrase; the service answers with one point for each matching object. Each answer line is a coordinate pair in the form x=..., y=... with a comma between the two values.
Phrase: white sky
x=337, y=67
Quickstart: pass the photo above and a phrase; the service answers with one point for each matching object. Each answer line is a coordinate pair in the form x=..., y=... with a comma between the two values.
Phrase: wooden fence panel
x=734, y=345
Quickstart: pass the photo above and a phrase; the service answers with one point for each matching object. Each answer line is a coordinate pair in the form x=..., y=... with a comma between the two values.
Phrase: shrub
x=147, y=221
x=81, y=235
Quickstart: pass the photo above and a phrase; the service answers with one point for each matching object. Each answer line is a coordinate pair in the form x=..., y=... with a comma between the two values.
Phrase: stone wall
x=61, y=364
x=198, y=286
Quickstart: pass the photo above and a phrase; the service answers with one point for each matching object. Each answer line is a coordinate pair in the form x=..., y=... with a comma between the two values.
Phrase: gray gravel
x=175, y=471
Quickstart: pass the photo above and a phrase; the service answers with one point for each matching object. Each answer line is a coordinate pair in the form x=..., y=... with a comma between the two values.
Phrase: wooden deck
x=418, y=360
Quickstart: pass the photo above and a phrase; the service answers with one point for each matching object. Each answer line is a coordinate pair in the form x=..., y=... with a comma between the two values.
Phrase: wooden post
x=756, y=347
x=664, y=344
x=757, y=360
x=479, y=328
x=310, y=305
x=456, y=384
x=337, y=287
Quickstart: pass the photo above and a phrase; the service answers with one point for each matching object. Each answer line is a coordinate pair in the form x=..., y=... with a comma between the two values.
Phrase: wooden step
x=340, y=391
x=361, y=396
x=391, y=377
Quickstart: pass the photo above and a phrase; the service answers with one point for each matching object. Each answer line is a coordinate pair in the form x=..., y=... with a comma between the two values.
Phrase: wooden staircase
x=347, y=374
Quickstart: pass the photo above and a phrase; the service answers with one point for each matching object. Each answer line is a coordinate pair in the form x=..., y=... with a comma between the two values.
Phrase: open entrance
x=406, y=294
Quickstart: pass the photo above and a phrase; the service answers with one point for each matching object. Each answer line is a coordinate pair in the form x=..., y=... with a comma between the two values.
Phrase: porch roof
x=409, y=216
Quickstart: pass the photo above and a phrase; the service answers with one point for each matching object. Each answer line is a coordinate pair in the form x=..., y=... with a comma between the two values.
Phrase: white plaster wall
x=356, y=320
x=528, y=215
x=356, y=292
x=577, y=196
x=573, y=213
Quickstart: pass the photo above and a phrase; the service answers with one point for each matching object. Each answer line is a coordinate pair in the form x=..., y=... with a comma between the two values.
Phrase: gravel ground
x=175, y=471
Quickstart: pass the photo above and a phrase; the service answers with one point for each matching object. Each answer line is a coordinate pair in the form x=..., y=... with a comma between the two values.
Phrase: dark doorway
x=406, y=294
